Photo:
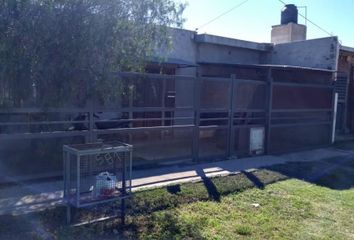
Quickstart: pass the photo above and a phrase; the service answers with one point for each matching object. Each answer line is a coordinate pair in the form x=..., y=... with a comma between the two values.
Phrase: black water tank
x=289, y=14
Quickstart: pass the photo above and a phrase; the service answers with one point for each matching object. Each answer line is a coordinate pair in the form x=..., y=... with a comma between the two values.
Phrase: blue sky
x=253, y=20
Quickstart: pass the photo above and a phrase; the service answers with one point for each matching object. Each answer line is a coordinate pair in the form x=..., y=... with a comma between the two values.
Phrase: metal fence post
x=334, y=115
x=124, y=191
x=197, y=89
x=231, y=133
x=91, y=123
x=269, y=109
x=78, y=182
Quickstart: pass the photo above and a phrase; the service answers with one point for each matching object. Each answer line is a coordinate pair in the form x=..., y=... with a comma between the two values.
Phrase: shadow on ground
x=334, y=173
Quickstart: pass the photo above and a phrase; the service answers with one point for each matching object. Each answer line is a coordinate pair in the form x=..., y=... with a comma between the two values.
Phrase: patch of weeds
x=167, y=225
x=148, y=201
x=233, y=183
x=192, y=192
x=269, y=177
x=244, y=230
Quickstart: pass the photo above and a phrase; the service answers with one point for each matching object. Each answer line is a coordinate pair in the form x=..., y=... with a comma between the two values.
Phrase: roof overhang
x=274, y=66
x=230, y=42
x=173, y=62
x=347, y=50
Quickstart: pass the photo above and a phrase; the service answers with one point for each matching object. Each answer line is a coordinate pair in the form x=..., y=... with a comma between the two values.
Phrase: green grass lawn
x=281, y=202
x=288, y=209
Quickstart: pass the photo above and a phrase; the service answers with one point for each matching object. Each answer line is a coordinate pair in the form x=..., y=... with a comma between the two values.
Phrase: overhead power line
x=316, y=25
x=222, y=14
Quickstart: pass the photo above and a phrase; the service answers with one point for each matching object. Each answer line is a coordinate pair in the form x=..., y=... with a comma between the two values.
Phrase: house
x=295, y=112
x=216, y=98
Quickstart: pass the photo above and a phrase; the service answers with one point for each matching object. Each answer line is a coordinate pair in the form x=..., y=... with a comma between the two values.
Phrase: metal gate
x=233, y=107
x=177, y=120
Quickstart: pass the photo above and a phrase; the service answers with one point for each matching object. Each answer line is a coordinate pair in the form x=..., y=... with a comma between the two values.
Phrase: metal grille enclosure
x=96, y=173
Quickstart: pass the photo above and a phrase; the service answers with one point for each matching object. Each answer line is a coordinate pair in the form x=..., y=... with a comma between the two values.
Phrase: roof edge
x=231, y=42
x=277, y=66
x=347, y=49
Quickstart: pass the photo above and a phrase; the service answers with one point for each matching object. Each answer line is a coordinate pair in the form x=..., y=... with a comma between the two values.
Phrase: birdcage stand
x=97, y=173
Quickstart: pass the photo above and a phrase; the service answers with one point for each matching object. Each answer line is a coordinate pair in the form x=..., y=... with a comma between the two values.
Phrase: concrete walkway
x=22, y=199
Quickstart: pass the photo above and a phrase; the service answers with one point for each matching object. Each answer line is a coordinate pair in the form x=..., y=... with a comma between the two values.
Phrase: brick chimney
x=289, y=30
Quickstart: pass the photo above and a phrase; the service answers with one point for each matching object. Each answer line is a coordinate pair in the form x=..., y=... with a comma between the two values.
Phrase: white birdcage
x=96, y=173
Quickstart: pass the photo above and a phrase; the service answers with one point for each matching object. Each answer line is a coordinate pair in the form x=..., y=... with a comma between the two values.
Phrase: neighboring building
x=345, y=90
